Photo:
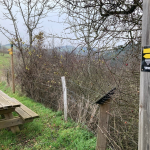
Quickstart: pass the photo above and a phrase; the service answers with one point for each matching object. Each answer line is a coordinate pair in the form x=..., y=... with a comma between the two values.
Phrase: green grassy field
x=4, y=61
x=47, y=132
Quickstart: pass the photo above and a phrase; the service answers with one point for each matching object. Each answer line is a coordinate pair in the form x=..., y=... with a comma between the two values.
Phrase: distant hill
x=119, y=53
x=76, y=50
x=8, y=46
x=108, y=55
x=68, y=48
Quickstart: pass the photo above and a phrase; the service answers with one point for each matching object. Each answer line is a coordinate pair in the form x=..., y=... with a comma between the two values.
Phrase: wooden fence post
x=103, y=126
x=144, y=106
x=103, y=120
x=64, y=96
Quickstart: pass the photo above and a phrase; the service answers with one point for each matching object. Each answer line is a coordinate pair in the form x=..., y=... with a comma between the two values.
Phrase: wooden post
x=103, y=126
x=12, y=70
x=64, y=96
x=104, y=103
x=144, y=106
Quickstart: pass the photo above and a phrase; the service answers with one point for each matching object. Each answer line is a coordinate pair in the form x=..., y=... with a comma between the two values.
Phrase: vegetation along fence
x=87, y=80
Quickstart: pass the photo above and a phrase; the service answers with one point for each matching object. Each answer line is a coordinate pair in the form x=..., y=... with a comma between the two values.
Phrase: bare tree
x=32, y=13
x=119, y=20
x=81, y=27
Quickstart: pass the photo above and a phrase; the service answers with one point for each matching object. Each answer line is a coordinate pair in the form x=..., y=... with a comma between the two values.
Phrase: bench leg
x=14, y=129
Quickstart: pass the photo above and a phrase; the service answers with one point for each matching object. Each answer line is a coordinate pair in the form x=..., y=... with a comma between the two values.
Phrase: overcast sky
x=52, y=24
x=49, y=25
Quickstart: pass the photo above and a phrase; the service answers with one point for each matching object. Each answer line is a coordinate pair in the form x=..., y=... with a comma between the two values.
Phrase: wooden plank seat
x=24, y=112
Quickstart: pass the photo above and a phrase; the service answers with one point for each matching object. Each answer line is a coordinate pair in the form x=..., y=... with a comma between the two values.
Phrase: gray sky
x=49, y=25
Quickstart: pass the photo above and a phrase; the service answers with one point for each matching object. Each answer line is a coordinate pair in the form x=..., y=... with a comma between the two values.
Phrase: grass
x=4, y=61
x=49, y=132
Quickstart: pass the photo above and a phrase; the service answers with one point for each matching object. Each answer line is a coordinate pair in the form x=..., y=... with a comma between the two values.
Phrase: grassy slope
x=4, y=61
x=47, y=132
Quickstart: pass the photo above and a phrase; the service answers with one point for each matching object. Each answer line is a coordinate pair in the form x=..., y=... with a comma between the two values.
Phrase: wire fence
x=83, y=110
x=41, y=80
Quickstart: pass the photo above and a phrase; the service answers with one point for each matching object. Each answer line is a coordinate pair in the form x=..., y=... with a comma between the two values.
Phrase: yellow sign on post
x=146, y=50
x=10, y=52
x=145, y=66
x=147, y=56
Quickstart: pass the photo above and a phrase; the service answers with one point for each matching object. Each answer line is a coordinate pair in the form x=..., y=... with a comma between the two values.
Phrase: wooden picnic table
x=6, y=109
x=9, y=105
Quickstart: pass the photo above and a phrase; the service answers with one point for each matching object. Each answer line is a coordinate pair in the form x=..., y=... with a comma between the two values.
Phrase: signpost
x=12, y=68
x=144, y=106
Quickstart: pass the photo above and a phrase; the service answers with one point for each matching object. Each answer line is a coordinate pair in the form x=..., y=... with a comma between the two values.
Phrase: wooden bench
x=10, y=105
x=25, y=113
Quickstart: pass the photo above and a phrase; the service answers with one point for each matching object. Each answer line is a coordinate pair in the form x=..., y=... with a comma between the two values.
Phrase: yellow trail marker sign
x=145, y=63
x=146, y=50
x=9, y=49
x=147, y=56
x=11, y=53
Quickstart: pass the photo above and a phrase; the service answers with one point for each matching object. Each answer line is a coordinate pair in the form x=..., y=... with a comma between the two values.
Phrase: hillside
x=48, y=132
